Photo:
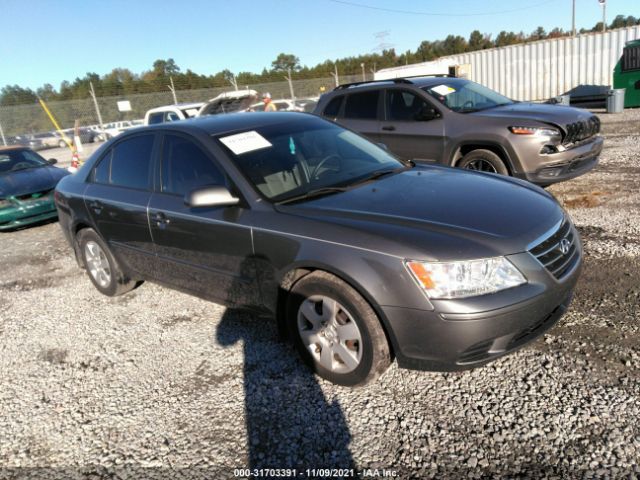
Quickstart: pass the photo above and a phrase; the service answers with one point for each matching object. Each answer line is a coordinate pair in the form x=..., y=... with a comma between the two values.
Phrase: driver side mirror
x=427, y=113
x=211, y=196
x=52, y=161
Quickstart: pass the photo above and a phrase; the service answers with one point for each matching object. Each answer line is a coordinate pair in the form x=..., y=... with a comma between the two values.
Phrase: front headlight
x=467, y=278
x=537, y=131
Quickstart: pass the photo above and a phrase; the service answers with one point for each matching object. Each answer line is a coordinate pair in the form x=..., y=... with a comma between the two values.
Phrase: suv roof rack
x=394, y=80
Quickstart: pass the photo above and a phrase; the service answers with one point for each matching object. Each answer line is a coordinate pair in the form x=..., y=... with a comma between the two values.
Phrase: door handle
x=96, y=207
x=160, y=219
x=389, y=128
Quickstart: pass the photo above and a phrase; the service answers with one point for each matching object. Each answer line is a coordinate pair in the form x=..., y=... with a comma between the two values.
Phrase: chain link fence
x=30, y=119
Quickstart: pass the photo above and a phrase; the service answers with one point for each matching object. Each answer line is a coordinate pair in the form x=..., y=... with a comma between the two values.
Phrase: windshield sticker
x=245, y=142
x=443, y=90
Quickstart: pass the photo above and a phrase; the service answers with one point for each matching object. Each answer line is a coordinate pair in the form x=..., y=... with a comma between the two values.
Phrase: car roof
x=179, y=106
x=13, y=147
x=229, y=122
x=424, y=81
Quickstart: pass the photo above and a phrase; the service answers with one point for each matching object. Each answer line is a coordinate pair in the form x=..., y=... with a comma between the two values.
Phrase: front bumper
x=22, y=213
x=565, y=165
x=463, y=334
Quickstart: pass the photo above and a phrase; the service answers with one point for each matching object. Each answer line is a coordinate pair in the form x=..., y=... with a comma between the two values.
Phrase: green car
x=26, y=187
x=627, y=74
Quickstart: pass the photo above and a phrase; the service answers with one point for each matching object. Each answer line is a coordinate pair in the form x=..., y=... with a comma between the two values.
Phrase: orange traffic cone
x=75, y=162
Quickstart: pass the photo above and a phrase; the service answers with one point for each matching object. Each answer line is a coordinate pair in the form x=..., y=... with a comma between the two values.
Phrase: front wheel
x=336, y=331
x=103, y=269
x=483, y=161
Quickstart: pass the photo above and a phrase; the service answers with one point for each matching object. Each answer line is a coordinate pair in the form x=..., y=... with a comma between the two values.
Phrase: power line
x=430, y=14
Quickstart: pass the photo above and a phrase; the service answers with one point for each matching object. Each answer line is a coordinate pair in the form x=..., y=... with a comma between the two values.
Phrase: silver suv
x=460, y=123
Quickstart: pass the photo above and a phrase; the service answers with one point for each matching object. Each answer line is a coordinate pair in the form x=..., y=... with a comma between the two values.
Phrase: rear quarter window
x=333, y=108
x=127, y=164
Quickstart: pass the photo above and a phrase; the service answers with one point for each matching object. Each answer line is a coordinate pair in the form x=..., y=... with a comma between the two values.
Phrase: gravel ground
x=158, y=384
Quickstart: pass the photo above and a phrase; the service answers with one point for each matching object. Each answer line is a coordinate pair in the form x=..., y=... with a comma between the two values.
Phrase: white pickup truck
x=172, y=113
x=234, y=101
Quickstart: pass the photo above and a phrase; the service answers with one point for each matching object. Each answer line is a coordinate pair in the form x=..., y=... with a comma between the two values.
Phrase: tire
x=483, y=161
x=62, y=144
x=96, y=256
x=351, y=348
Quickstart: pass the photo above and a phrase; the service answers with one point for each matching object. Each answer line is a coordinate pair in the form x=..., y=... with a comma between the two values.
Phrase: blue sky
x=47, y=41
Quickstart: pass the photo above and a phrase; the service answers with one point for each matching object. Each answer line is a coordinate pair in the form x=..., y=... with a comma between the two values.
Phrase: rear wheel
x=483, y=161
x=104, y=271
x=336, y=331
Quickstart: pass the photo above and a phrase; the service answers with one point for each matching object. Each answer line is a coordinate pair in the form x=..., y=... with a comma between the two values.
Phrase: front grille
x=581, y=130
x=550, y=254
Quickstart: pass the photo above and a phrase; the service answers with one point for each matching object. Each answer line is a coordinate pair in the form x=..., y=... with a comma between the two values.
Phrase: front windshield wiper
x=469, y=110
x=25, y=168
x=380, y=173
x=329, y=190
x=318, y=192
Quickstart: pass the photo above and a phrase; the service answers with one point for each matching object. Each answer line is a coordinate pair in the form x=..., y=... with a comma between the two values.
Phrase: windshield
x=293, y=159
x=14, y=160
x=464, y=96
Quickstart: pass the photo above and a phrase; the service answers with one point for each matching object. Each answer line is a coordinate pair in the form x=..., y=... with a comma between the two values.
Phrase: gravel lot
x=158, y=384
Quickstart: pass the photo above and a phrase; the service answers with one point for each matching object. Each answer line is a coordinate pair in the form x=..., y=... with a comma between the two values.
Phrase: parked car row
x=227, y=102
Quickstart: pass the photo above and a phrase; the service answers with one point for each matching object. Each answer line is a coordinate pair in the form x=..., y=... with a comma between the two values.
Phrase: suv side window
x=404, y=106
x=362, y=106
x=186, y=167
x=127, y=164
x=333, y=109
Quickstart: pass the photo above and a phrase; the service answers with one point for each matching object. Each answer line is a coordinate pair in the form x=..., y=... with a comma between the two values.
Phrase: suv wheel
x=103, y=269
x=483, y=161
x=336, y=331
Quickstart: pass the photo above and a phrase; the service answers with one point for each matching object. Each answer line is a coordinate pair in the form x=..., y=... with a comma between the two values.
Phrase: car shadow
x=290, y=423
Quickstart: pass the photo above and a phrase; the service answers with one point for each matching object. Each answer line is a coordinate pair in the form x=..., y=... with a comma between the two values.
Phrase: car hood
x=23, y=182
x=438, y=213
x=560, y=115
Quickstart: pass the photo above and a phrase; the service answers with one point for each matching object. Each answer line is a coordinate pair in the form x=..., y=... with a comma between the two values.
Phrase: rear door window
x=362, y=106
x=404, y=106
x=127, y=164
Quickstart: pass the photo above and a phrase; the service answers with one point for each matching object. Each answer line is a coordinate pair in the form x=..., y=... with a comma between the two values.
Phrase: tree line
x=122, y=81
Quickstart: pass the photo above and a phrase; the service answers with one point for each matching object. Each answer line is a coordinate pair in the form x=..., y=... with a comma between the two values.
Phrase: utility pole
x=173, y=91
x=4, y=140
x=604, y=14
x=95, y=104
x=573, y=19
x=233, y=81
x=290, y=80
x=335, y=75
x=364, y=77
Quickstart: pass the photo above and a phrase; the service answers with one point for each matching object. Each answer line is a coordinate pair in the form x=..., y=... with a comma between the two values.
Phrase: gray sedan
x=360, y=257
